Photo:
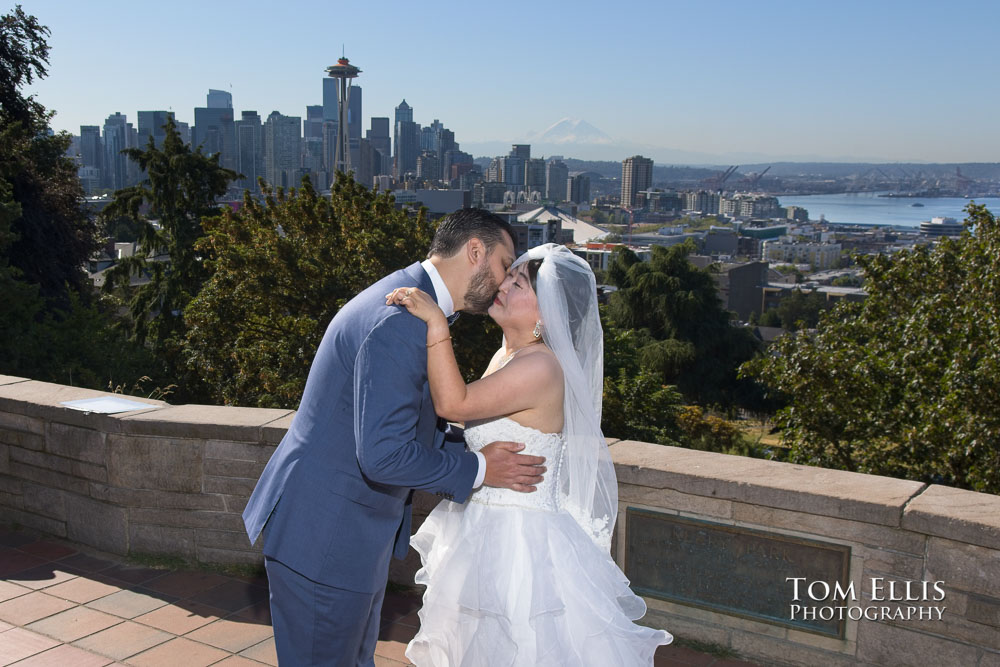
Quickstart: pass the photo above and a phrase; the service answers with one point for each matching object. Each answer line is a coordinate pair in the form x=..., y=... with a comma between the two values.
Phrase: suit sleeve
x=389, y=378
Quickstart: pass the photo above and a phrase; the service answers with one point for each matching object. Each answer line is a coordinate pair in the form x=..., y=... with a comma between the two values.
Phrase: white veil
x=567, y=301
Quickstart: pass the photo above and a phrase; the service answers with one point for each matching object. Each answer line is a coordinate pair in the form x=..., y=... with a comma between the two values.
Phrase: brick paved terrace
x=64, y=606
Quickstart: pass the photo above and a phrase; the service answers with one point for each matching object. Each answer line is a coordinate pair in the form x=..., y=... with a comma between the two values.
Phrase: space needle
x=344, y=71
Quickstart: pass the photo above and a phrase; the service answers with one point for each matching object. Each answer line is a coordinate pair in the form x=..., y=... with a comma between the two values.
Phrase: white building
x=818, y=255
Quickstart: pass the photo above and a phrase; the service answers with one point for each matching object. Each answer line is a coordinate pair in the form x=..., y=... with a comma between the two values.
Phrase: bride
x=526, y=578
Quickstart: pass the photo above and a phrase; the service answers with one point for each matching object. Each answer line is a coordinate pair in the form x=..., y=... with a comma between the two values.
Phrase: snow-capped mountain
x=572, y=131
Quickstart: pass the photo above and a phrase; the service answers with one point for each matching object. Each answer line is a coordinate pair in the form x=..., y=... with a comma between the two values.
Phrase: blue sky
x=891, y=81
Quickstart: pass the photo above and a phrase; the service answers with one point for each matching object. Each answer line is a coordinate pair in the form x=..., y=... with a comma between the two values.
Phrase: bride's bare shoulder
x=541, y=360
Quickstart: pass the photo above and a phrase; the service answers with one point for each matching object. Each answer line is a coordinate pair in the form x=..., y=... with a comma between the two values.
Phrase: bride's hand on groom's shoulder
x=418, y=302
x=507, y=469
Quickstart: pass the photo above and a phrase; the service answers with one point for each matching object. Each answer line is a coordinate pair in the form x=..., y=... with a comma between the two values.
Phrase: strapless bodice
x=536, y=443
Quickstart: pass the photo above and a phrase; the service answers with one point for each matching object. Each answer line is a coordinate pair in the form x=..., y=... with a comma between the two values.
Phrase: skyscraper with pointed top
x=406, y=141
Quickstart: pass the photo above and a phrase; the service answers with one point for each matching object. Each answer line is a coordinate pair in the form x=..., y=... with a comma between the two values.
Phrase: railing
x=717, y=544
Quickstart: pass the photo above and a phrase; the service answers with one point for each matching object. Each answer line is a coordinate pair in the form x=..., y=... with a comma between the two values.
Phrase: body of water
x=868, y=208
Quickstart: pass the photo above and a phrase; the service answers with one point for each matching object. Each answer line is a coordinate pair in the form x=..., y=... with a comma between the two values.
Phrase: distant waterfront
x=868, y=208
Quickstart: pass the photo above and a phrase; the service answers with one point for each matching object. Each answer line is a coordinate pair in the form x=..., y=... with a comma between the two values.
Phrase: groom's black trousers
x=315, y=624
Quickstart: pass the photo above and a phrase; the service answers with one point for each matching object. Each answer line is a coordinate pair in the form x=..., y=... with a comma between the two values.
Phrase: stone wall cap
x=12, y=379
x=44, y=400
x=207, y=422
x=275, y=430
x=955, y=514
x=821, y=491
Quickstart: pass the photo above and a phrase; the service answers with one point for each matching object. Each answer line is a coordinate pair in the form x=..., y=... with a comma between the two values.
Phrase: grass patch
x=162, y=562
x=717, y=650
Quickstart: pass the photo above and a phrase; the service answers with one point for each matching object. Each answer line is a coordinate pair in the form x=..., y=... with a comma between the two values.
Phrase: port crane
x=716, y=182
x=753, y=180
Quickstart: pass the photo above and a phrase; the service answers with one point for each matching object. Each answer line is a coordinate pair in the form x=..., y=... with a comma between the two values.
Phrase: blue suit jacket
x=336, y=493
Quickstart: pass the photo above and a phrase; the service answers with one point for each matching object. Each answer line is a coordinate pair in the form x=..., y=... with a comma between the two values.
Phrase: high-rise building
x=556, y=175
x=380, y=140
x=312, y=159
x=494, y=172
x=522, y=151
x=90, y=146
x=329, y=99
x=329, y=145
x=133, y=174
x=534, y=176
x=452, y=159
x=511, y=170
x=184, y=130
x=250, y=150
x=215, y=132
x=406, y=141
x=116, y=139
x=428, y=166
x=91, y=158
x=446, y=143
x=368, y=164
x=282, y=148
x=428, y=139
x=219, y=99
x=578, y=189
x=312, y=126
x=151, y=125
x=708, y=203
x=637, y=175
x=354, y=120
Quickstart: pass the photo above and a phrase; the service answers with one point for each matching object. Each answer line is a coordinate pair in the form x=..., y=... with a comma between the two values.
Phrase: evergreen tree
x=50, y=327
x=52, y=239
x=180, y=189
x=691, y=342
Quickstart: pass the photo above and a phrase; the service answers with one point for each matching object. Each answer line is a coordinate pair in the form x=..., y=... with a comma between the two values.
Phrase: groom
x=335, y=496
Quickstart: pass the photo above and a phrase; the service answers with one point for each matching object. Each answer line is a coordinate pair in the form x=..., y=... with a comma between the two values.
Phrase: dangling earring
x=537, y=332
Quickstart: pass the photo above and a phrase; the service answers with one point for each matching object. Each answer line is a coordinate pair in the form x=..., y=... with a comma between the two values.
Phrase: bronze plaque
x=733, y=570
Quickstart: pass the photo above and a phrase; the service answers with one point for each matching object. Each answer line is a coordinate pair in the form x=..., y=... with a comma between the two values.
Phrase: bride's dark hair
x=533, y=265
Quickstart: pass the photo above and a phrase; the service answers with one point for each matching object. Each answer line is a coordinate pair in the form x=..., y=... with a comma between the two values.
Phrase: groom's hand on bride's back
x=510, y=470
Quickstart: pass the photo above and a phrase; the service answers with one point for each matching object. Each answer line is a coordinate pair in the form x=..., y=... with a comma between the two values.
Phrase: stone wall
x=170, y=480
x=897, y=530
x=173, y=480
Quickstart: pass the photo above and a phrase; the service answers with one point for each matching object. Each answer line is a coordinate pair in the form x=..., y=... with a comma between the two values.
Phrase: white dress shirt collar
x=444, y=300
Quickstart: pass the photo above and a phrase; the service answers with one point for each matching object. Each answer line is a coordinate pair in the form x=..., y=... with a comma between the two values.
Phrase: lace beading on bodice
x=537, y=443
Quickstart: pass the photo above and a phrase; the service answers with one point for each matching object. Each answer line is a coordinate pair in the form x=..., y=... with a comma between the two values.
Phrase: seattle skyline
x=680, y=82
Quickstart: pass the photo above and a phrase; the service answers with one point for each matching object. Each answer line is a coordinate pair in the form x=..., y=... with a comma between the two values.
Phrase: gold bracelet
x=440, y=341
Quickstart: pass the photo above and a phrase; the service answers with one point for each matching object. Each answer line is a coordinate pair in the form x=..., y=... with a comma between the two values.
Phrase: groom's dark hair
x=455, y=230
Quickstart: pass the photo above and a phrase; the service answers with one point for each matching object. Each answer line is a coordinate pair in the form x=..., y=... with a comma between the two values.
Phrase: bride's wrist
x=436, y=330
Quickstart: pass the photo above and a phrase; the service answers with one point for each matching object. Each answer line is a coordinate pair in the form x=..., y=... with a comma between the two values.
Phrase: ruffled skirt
x=510, y=586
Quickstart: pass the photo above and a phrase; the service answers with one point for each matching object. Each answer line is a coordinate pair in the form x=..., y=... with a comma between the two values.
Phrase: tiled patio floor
x=62, y=607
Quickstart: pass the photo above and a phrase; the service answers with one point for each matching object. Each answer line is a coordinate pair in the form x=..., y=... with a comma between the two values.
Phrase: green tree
x=640, y=407
x=770, y=318
x=904, y=383
x=180, y=189
x=801, y=310
x=280, y=271
x=846, y=281
x=50, y=326
x=52, y=238
x=70, y=344
x=692, y=342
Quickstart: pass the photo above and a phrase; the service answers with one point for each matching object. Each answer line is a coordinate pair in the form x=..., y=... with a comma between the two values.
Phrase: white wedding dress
x=512, y=578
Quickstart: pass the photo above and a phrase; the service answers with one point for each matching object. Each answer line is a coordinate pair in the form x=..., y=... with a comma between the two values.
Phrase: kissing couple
x=516, y=558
